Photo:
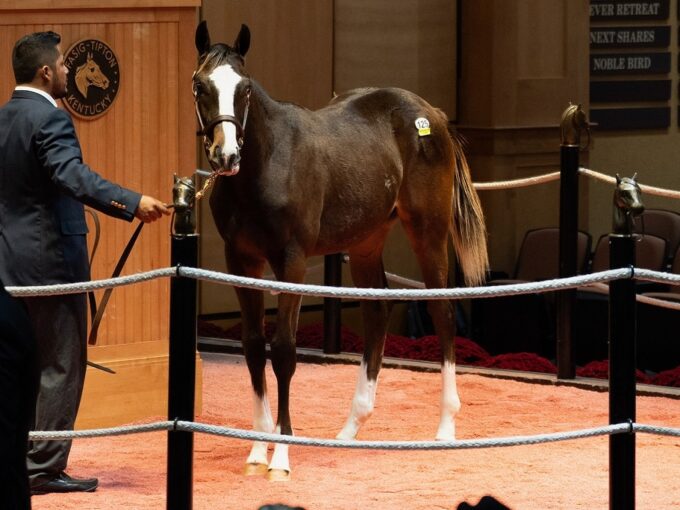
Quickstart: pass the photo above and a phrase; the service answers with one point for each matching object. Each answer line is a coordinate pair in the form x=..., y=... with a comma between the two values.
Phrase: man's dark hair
x=33, y=51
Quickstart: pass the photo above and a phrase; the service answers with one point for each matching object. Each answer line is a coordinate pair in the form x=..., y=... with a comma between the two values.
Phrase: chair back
x=661, y=223
x=650, y=253
x=539, y=254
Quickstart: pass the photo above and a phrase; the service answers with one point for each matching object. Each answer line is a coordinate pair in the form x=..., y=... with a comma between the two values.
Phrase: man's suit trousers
x=60, y=324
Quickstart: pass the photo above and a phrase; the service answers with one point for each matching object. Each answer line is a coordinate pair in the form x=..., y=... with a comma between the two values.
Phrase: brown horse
x=296, y=183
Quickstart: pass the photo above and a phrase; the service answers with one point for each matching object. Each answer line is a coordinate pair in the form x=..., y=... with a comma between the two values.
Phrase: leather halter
x=207, y=128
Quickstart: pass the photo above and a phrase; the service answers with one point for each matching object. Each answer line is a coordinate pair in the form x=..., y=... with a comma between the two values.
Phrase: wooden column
x=522, y=62
x=139, y=142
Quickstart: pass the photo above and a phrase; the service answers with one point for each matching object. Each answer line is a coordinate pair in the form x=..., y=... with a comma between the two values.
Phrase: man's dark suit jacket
x=43, y=186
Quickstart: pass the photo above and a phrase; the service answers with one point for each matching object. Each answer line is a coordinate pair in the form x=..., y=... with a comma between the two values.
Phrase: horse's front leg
x=253, y=340
x=291, y=269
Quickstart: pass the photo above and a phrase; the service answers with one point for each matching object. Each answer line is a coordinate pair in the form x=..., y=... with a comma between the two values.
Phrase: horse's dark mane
x=261, y=92
x=220, y=54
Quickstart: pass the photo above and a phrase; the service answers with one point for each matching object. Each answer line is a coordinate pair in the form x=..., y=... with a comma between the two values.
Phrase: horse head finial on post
x=627, y=205
x=573, y=121
x=183, y=199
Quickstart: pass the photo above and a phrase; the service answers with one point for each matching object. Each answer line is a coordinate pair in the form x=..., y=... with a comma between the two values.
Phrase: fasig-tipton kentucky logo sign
x=93, y=78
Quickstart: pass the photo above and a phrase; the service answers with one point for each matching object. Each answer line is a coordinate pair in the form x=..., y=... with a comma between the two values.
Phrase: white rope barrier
x=460, y=444
x=80, y=287
x=352, y=292
x=517, y=183
x=553, y=176
x=320, y=290
x=409, y=294
x=645, y=188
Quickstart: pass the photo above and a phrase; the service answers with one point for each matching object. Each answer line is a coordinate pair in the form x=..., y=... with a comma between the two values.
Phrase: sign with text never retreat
x=607, y=10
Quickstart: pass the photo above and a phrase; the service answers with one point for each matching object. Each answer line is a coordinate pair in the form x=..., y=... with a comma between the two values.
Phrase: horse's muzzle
x=225, y=164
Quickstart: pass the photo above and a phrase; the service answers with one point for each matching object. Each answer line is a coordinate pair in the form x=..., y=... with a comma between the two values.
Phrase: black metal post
x=568, y=245
x=182, y=369
x=622, y=328
x=332, y=307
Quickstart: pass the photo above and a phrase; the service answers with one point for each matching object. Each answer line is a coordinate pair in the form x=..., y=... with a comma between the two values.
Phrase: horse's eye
x=198, y=88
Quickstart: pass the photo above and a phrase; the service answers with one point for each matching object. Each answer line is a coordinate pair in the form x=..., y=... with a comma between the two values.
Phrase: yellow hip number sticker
x=423, y=126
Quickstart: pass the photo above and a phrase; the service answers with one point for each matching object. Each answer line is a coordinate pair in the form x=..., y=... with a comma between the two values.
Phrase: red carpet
x=427, y=349
x=566, y=475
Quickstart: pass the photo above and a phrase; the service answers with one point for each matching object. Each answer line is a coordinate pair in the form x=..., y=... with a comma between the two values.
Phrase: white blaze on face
x=226, y=80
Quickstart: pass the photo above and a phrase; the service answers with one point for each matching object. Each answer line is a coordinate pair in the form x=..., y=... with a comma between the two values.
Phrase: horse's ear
x=242, y=42
x=202, y=38
x=634, y=178
x=618, y=179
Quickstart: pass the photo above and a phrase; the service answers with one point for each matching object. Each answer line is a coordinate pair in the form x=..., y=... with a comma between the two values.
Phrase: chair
x=661, y=223
x=650, y=253
x=671, y=292
x=591, y=327
x=658, y=345
x=539, y=254
x=525, y=323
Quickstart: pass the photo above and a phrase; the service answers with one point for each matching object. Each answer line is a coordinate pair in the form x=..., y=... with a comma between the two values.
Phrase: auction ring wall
x=145, y=135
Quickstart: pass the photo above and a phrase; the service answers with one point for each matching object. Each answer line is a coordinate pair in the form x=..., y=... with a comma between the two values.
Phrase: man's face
x=59, y=73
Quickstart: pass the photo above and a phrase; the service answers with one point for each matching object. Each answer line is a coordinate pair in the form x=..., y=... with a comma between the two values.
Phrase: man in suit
x=43, y=186
x=18, y=388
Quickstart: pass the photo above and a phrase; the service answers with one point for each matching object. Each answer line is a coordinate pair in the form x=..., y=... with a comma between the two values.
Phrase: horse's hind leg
x=367, y=271
x=253, y=339
x=429, y=241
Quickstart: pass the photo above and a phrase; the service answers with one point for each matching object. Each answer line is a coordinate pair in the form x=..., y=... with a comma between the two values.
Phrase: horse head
x=89, y=74
x=183, y=193
x=221, y=90
x=183, y=200
x=627, y=204
x=573, y=122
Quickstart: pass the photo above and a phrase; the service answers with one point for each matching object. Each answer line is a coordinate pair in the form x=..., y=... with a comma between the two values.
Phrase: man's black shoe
x=64, y=483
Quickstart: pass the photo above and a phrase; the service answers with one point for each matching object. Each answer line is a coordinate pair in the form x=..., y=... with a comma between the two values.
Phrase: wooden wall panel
x=522, y=62
x=404, y=44
x=138, y=143
x=291, y=49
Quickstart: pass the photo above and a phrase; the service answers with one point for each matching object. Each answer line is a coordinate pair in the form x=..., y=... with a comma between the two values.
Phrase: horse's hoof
x=254, y=469
x=278, y=475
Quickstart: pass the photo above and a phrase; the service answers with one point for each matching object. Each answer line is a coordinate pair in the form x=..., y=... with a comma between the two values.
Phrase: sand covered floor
x=565, y=475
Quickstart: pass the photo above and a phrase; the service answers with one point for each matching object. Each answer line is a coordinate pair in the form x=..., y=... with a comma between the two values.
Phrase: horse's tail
x=468, y=229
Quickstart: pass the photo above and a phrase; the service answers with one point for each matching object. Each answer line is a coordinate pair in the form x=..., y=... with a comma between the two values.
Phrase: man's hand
x=150, y=209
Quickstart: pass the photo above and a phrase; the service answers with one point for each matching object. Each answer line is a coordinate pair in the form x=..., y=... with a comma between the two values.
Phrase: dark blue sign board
x=630, y=37
x=631, y=118
x=630, y=63
x=609, y=10
x=629, y=91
